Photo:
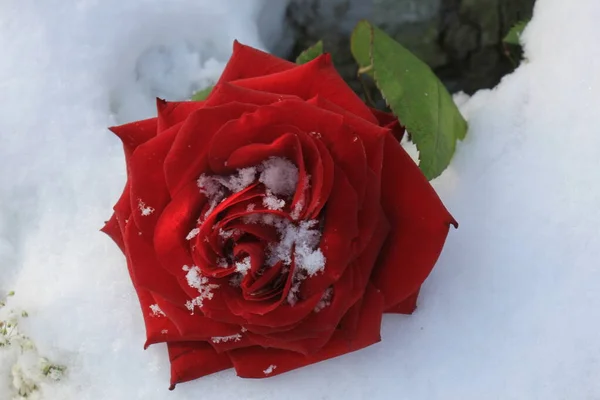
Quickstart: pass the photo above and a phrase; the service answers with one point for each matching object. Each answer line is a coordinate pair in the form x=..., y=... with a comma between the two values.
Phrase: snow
x=512, y=310
x=202, y=284
x=270, y=369
x=325, y=300
x=299, y=242
x=144, y=209
x=272, y=202
x=243, y=266
x=279, y=175
x=155, y=311
x=224, y=339
x=213, y=186
x=192, y=234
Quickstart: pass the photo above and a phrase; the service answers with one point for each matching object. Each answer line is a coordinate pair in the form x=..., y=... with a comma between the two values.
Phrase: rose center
x=249, y=227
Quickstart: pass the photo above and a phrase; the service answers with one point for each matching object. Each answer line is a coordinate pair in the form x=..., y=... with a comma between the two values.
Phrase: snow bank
x=511, y=312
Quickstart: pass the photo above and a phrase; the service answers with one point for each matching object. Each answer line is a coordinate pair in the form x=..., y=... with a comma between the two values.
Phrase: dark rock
x=460, y=39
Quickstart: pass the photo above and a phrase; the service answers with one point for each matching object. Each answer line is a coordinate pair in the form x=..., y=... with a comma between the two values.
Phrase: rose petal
x=149, y=194
x=217, y=308
x=243, y=136
x=192, y=360
x=254, y=283
x=340, y=230
x=283, y=317
x=349, y=288
x=248, y=62
x=349, y=154
x=420, y=224
x=258, y=362
x=372, y=135
x=187, y=157
x=173, y=226
x=171, y=113
x=407, y=306
x=368, y=217
x=256, y=310
x=123, y=207
x=321, y=174
x=390, y=121
x=112, y=229
x=285, y=144
x=305, y=346
x=193, y=327
x=158, y=327
x=146, y=271
x=135, y=133
x=155, y=327
x=317, y=77
x=121, y=216
x=227, y=343
x=225, y=93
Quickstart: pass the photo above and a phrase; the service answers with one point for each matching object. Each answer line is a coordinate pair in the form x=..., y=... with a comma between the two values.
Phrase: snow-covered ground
x=512, y=310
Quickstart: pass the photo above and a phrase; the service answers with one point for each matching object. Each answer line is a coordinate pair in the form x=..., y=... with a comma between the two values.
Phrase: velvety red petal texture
x=192, y=360
x=390, y=122
x=258, y=362
x=112, y=229
x=270, y=226
x=407, y=306
x=135, y=133
x=420, y=224
x=248, y=62
x=172, y=113
x=146, y=271
x=187, y=158
x=317, y=77
x=148, y=189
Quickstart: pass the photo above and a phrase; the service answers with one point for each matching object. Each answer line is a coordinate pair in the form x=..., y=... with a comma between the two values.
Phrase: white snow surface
x=512, y=310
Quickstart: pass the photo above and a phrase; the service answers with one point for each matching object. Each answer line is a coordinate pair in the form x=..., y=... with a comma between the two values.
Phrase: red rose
x=270, y=226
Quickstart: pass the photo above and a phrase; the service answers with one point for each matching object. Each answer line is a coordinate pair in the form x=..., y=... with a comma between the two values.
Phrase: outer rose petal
x=149, y=194
x=146, y=272
x=158, y=327
x=112, y=229
x=192, y=327
x=171, y=113
x=258, y=362
x=390, y=121
x=135, y=133
x=192, y=360
x=419, y=222
x=407, y=306
x=372, y=135
x=225, y=93
x=123, y=208
x=317, y=77
x=248, y=62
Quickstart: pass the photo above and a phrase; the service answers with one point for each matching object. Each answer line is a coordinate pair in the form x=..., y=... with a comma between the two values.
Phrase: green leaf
x=202, y=94
x=360, y=44
x=514, y=35
x=415, y=95
x=311, y=53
